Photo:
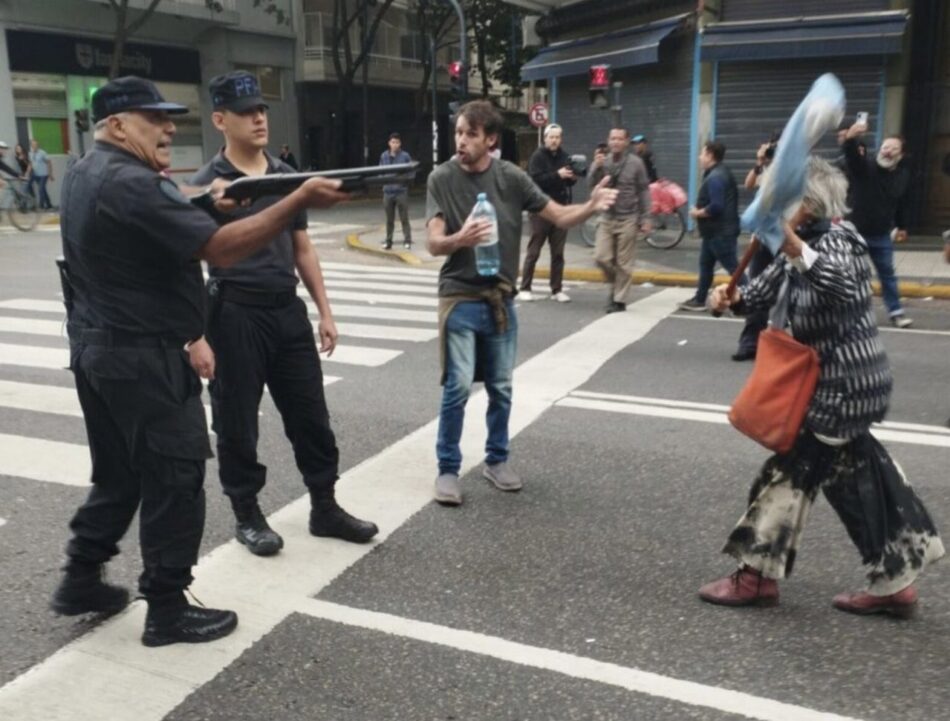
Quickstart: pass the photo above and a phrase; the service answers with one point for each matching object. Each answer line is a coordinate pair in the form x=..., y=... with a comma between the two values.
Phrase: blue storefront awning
x=807, y=37
x=635, y=46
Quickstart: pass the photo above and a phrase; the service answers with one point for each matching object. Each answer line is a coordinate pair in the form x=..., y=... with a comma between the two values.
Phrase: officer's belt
x=263, y=298
x=124, y=339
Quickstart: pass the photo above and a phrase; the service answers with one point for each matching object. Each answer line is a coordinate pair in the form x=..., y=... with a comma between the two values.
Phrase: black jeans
x=712, y=250
x=255, y=345
x=149, y=441
x=544, y=230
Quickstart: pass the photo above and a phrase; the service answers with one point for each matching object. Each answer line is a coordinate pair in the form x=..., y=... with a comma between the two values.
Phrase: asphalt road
x=574, y=599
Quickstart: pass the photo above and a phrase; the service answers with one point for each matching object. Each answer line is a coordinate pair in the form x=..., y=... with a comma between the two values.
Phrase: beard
x=887, y=162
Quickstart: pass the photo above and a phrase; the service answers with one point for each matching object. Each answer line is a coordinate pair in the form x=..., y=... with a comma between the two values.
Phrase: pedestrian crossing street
x=380, y=313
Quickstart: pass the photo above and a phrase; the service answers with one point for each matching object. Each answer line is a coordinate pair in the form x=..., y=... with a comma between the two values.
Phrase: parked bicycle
x=668, y=208
x=19, y=204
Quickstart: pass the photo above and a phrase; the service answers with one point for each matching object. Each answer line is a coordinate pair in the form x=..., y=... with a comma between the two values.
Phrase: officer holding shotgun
x=135, y=304
x=260, y=333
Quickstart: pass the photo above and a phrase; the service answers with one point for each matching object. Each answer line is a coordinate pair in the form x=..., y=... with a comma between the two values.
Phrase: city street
x=573, y=599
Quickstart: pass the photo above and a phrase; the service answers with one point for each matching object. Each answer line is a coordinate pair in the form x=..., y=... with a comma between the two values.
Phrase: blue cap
x=236, y=91
x=130, y=93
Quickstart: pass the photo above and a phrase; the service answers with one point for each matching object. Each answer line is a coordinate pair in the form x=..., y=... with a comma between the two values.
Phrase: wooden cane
x=740, y=270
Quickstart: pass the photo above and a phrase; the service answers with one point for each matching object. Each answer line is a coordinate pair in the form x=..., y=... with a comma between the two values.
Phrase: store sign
x=65, y=55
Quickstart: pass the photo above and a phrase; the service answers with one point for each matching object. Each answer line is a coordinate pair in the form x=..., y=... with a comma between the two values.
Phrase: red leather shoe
x=901, y=604
x=745, y=587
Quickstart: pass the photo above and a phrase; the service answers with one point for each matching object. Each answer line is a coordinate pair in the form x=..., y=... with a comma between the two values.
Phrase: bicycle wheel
x=589, y=230
x=23, y=212
x=668, y=229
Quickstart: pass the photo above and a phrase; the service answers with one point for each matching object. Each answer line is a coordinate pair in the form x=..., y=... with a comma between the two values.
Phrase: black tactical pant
x=149, y=441
x=272, y=343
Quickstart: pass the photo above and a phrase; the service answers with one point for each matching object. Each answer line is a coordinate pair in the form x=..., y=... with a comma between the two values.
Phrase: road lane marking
x=41, y=460
x=31, y=326
x=33, y=356
x=378, y=312
x=579, y=667
x=107, y=673
x=59, y=400
x=913, y=433
x=427, y=301
x=35, y=305
x=3, y=521
x=361, y=356
x=334, y=287
x=386, y=332
x=359, y=268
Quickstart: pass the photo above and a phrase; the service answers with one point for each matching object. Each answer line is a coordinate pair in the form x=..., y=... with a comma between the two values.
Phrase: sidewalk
x=921, y=270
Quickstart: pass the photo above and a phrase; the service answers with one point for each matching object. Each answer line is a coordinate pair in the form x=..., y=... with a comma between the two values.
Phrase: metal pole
x=365, y=50
x=435, y=112
x=617, y=107
x=463, y=47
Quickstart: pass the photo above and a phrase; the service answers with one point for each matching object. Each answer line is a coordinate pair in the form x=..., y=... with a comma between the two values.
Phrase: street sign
x=538, y=115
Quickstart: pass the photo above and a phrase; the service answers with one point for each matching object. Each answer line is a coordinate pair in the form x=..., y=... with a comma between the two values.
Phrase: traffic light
x=599, y=86
x=456, y=78
x=82, y=120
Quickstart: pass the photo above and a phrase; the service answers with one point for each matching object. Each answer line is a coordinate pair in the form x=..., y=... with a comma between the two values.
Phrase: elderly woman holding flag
x=826, y=266
x=824, y=276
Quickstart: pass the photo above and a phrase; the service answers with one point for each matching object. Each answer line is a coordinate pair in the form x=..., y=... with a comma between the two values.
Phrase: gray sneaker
x=502, y=476
x=447, y=489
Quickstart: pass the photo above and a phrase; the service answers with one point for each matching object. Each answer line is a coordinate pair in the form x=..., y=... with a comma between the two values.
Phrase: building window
x=269, y=79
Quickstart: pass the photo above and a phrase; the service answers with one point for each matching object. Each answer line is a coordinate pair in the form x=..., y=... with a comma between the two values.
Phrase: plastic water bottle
x=487, y=257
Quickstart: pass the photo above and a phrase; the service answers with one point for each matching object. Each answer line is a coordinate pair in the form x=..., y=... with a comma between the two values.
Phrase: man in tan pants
x=620, y=227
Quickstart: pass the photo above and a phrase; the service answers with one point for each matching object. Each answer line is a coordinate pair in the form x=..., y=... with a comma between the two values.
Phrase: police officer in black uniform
x=135, y=302
x=260, y=333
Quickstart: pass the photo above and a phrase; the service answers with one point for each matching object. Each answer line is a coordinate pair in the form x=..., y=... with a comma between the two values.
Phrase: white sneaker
x=901, y=321
x=526, y=295
x=561, y=297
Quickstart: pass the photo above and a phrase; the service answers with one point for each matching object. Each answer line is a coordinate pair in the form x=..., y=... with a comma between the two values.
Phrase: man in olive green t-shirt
x=478, y=326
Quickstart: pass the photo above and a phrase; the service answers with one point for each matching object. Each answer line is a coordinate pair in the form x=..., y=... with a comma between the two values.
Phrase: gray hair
x=826, y=190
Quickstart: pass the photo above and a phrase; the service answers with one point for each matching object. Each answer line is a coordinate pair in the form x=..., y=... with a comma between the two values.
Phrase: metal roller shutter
x=656, y=101
x=755, y=99
x=734, y=10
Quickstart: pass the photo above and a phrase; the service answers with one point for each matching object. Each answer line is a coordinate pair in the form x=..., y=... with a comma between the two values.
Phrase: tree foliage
x=495, y=29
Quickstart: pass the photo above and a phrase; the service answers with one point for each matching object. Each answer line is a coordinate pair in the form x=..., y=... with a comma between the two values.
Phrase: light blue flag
x=784, y=183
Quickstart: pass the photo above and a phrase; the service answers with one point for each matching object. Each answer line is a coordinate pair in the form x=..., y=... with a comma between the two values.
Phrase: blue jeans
x=42, y=197
x=881, y=248
x=713, y=249
x=470, y=337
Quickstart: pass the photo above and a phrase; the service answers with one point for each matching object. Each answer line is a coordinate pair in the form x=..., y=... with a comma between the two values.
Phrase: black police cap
x=236, y=91
x=130, y=93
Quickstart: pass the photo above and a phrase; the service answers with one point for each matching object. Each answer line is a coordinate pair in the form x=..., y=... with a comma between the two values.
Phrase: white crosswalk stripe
x=397, y=305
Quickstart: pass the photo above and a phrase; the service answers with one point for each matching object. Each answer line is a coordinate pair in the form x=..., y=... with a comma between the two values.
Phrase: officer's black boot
x=328, y=519
x=82, y=590
x=252, y=529
x=171, y=619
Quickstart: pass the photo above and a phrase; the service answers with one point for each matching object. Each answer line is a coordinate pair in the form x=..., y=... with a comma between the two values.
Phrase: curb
x=908, y=289
x=404, y=256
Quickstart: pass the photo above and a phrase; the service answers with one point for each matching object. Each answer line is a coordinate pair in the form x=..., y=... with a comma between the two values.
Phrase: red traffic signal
x=599, y=77
x=599, y=86
x=455, y=69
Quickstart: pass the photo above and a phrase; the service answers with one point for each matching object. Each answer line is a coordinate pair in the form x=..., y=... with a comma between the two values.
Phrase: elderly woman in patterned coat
x=827, y=266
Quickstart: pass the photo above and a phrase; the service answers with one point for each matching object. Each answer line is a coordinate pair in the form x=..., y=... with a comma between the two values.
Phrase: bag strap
x=778, y=316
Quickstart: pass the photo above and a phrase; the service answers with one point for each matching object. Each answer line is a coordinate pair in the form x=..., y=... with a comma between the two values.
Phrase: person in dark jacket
x=824, y=270
x=550, y=169
x=878, y=188
x=641, y=146
x=287, y=157
x=717, y=215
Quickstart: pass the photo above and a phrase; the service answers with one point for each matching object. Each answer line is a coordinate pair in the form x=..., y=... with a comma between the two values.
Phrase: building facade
x=736, y=69
x=54, y=54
